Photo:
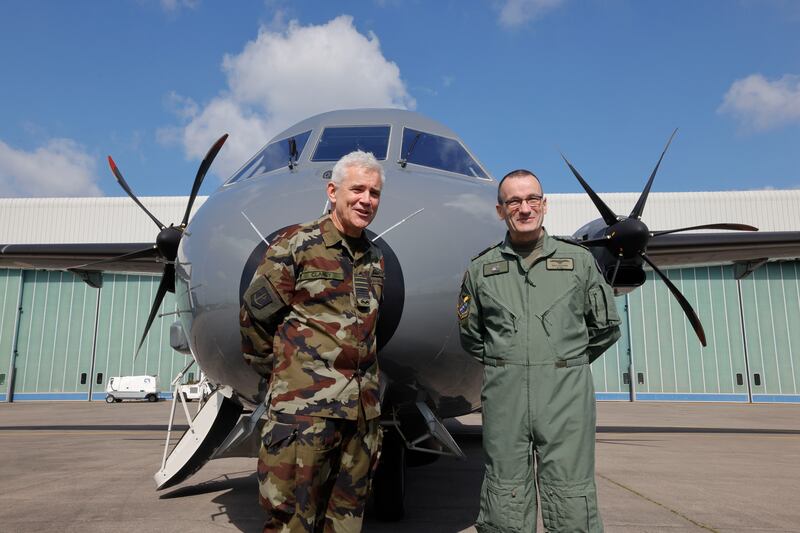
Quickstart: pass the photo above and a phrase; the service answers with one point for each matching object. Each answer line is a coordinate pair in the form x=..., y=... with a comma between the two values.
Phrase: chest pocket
x=501, y=324
x=376, y=281
x=564, y=324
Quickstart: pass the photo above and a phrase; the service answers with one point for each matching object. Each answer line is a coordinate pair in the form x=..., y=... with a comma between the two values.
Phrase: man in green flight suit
x=536, y=311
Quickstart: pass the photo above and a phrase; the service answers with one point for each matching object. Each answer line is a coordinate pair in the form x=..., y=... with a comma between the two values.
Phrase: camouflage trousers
x=314, y=474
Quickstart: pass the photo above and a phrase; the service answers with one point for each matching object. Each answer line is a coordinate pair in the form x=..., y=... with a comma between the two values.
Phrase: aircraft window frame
x=409, y=158
x=246, y=172
x=313, y=157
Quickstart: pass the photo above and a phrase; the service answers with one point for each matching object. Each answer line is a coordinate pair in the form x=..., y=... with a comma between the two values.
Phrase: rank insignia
x=361, y=283
x=555, y=263
x=463, y=307
x=490, y=269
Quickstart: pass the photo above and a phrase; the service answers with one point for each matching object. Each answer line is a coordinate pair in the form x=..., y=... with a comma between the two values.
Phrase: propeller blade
x=685, y=305
x=201, y=173
x=639, y=207
x=602, y=241
x=144, y=252
x=167, y=279
x=616, y=269
x=723, y=225
x=608, y=215
x=127, y=189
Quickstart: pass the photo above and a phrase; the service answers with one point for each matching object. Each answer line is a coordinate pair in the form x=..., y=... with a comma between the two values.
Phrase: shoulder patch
x=498, y=267
x=486, y=250
x=260, y=298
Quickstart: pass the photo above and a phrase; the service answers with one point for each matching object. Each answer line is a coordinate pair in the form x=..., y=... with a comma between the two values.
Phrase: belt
x=561, y=363
x=286, y=418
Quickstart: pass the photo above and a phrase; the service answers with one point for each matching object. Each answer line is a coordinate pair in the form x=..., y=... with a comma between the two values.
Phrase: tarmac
x=88, y=467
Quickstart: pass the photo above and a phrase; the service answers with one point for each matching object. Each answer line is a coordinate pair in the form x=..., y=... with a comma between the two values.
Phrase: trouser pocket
x=571, y=508
x=277, y=464
x=503, y=505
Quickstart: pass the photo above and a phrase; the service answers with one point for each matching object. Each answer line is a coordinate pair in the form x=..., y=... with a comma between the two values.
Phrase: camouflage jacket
x=308, y=322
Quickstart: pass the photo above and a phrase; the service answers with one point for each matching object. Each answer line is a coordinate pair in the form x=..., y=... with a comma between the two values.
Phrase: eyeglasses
x=532, y=201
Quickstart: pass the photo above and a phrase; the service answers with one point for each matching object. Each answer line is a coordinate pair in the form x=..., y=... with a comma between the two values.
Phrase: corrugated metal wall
x=72, y=338
x=752, y=329
x=89, y=220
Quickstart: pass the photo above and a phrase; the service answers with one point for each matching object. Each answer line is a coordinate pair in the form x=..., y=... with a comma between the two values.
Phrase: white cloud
x=514, y=13
x=282, y=77
x=760, y=104
x=59, y=168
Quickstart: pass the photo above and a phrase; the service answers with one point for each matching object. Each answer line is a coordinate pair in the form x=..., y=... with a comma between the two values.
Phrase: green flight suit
x=536, y=330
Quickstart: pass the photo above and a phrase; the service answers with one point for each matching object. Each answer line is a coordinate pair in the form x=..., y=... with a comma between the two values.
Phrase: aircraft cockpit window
x=429, y=150
x=274, y=156
x=338, y=141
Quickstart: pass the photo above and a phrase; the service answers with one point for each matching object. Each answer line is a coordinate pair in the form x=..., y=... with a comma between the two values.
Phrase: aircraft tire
x=109, y=398
x=388, y=487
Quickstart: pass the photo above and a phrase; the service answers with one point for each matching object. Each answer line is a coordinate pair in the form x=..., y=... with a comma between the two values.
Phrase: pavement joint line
x=633, y=491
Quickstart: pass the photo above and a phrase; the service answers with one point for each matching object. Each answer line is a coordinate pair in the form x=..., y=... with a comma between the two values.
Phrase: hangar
x=62, y=339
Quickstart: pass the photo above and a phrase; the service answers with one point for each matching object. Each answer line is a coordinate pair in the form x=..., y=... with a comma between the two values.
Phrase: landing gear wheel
x=109, y=399
x=389, y=485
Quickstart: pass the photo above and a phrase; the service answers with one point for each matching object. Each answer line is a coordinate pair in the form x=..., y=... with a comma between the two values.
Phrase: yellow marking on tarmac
x=639, y=494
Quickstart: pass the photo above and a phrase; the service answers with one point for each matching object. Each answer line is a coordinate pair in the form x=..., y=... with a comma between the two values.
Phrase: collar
x=548, y=246
x=331, y=236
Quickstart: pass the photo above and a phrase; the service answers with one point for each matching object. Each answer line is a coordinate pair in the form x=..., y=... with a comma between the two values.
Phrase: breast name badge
x=560, y=263
x=492, y=269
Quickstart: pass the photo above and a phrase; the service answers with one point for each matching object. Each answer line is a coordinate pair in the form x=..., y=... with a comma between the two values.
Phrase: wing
x=688, y=249
x=106, y=257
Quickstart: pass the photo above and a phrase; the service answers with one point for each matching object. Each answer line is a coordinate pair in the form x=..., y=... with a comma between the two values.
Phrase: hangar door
x=122, y=315
x=670, y=363
x=771, y=311
x=10, y=285
x=56, y=337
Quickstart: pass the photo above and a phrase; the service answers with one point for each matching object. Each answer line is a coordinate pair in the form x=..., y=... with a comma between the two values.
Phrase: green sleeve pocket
x=599, y=305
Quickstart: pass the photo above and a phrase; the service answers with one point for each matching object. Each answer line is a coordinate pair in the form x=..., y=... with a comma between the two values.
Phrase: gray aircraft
x=436, y=212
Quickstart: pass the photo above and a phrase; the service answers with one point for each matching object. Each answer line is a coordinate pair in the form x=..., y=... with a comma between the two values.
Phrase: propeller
x=626, y=238
x=168, y=238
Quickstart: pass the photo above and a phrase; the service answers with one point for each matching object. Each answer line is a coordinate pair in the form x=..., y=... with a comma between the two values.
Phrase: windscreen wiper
x=293, y=155
x=404, y=161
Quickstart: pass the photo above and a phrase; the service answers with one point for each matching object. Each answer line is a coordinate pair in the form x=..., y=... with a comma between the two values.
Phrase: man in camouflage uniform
x=536, y=311
x=308, y=325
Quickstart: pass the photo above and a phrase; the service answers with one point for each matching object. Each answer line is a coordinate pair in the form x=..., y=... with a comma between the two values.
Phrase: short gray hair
x=358, y=159
x=519, y=173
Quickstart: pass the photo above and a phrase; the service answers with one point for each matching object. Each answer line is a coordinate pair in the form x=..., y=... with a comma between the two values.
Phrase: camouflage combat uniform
x=308, y=324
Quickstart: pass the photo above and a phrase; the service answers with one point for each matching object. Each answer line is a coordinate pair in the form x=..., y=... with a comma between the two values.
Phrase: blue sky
x=154, y=82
